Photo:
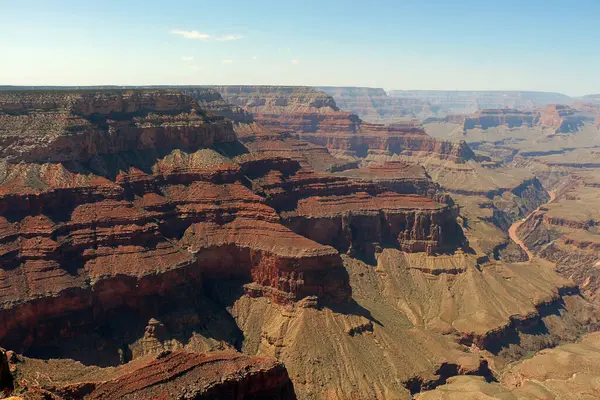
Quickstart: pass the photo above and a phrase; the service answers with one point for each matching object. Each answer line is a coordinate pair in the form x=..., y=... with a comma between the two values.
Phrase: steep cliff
x=485, y=119
x=467, y=102
x=375, y=106
x=134, y=226
x=558, y=118
x=315, y=117
x=76, y=126
x=566, y=231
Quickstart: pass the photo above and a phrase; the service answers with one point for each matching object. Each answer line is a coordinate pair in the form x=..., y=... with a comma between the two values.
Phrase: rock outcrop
x=167, y=375
x=399, y=177
x=211, y=101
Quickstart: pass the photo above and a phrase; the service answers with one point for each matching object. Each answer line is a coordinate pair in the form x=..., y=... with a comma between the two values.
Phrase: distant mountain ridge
x=378, y=106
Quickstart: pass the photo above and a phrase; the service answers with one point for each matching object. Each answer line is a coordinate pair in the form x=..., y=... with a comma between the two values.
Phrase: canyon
x=267, y=242
x=376, y=105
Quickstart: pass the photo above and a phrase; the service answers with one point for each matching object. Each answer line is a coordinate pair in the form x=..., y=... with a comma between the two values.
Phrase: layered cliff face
x=399, y=177
x=558, y=118
x=563, y=137
x=315, y=117
x=137, y=229
x=167, y=375
x=485, y=119
x=76, y=126
x=211, y=101
x=566, y=231
x=375, y=106
x=293, y=109
x=467, y=102
x=490, y=198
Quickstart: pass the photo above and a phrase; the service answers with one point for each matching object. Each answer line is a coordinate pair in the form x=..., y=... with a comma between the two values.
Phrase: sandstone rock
x=485, y=119
x=566, y=372
x=375, y=106
x=315, y=117
x=467, y=102
x=560, y=118
x=68, y=126
x=185, y=225
x=103, y=230
x=166, y=376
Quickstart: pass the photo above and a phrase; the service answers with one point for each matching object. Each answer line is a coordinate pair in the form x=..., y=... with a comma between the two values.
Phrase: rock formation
x=558, y=118
x=565, y=231
x=485, y=119
x=315, y=117
x=375, y=106
x=566, y=372
x=467, y=102
x=167, y=375
x=94, y=235
x=153, y=235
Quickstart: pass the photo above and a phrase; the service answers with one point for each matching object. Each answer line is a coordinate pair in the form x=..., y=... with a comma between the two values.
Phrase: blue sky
x=429, y=44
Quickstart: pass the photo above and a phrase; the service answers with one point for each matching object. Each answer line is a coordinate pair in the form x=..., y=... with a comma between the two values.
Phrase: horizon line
x=387, y=91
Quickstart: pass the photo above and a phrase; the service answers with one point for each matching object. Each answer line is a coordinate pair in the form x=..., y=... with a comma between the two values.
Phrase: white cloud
x=184, y=58
x=295, y=62
x=226, y=38
x=191, y=34
x=227, y=61
x=194, y=67
x=254, y=58
x=204, y=36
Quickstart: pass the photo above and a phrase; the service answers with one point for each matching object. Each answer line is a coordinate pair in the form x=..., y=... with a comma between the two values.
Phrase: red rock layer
x=139, y=230
x=359, y=145
x=142, y=229
x=113, y=252
x=314, y=116
x=266, y=143
x=75, y=126
x=201, y=377
x=485, y=119
x=360, y=222
x=359, y=214
x=292, y=190
x=399, y=177
x=561, y=118
x=291, y=109
x=374, y=105
x=171, y=375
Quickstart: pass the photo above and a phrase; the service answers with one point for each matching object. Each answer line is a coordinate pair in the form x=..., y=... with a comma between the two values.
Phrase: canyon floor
x=255, y=242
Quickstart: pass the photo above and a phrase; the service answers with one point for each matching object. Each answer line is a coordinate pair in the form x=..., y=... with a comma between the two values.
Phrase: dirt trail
x=512, y=231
